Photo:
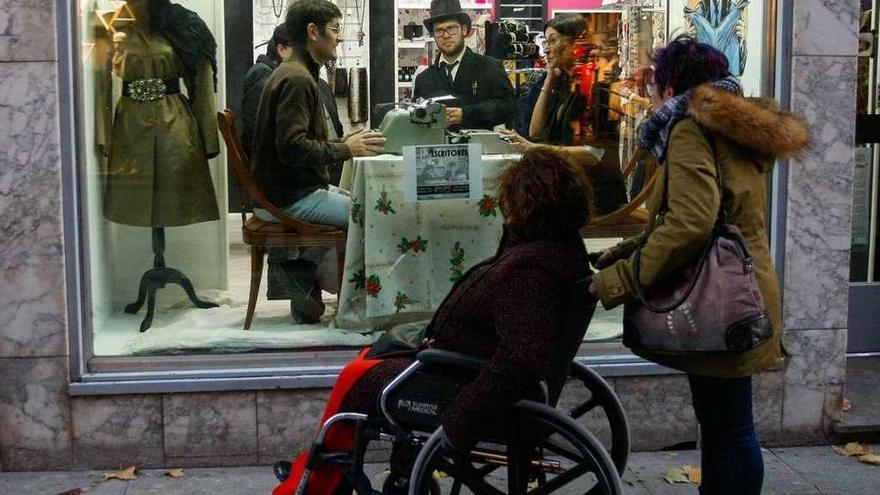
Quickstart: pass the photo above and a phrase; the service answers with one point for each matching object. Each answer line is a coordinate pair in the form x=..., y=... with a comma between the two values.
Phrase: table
x=402, y=258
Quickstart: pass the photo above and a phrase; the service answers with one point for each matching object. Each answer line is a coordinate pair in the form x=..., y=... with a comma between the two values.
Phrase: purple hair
x=686, y=63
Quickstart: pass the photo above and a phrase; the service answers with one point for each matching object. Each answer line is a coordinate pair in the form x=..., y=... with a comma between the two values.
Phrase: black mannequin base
x=157, y=278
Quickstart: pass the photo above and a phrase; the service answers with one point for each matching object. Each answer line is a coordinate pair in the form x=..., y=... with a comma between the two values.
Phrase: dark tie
x=447, y=69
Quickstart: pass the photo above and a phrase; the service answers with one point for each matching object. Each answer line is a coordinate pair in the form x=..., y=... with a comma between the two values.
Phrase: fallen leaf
x=870, y=458
x=694, y=474
x=852, y=449
x=676, y=475
x=847, y=406
x=175, y=473
x=125, y=474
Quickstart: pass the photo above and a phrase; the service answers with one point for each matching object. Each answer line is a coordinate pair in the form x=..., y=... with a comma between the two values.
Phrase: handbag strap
x=720, y=219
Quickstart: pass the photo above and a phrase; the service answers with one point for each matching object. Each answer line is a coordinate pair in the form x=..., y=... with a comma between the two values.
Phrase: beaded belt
x=150, y=89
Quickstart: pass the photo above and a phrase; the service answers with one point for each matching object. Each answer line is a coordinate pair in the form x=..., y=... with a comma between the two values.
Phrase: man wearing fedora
x=483, y=94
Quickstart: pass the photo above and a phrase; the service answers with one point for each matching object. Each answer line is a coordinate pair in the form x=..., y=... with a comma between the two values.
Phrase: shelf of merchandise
x=401, y=46
x=418, y=44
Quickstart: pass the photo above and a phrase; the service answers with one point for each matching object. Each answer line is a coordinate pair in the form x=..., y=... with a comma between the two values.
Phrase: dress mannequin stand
x=157, y=278
x=158, y=175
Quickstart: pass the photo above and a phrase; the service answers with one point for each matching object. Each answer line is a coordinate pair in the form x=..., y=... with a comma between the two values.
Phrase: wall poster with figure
x=734, y=27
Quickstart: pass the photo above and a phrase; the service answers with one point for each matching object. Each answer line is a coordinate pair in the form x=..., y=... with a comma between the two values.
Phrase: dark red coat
x=511, y=316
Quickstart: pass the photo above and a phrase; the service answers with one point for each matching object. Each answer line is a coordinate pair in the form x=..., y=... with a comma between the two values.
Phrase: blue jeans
x=731, y=457
x=326, y=207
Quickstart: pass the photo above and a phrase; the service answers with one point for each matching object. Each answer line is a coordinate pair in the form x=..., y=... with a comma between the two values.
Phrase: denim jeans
x=731, y=458
x=327, y=207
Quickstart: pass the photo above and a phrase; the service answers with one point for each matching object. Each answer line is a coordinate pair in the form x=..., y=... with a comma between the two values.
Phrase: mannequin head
x=560, y=33
x=314, y=26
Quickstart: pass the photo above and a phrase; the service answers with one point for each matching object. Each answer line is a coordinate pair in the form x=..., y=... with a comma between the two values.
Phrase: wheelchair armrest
x=439, y=356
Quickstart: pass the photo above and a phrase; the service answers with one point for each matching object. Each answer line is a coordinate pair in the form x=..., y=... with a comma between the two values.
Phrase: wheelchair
x=534, y=447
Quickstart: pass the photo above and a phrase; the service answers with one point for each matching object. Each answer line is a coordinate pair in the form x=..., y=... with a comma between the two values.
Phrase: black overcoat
x=481, y=86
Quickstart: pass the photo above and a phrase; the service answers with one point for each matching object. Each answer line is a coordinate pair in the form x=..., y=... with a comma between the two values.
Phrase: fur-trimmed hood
x=754, y=123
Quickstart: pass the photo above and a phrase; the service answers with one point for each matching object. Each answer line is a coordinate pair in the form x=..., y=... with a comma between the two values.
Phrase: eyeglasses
x=450, y=31
x=335, y=29
x=553, y=41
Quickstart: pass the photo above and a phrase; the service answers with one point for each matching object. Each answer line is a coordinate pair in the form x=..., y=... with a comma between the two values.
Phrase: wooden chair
x=261, y=235
x=631, y=218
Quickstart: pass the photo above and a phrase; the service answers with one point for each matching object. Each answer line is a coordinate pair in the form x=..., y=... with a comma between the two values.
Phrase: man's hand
x=366, y=143
x=453, y=115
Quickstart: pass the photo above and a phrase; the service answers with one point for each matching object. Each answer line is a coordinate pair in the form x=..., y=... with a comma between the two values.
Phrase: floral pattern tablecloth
x=402, y=258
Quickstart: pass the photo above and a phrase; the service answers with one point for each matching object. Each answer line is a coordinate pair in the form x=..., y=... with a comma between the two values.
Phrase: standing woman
x=557, y=110
x=702, y=121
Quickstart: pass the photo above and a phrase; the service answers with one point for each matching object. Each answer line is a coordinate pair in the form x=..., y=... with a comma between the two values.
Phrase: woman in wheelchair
x=510, y=310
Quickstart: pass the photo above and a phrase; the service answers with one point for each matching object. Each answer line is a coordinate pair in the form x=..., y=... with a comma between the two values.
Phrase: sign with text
x=452, y=171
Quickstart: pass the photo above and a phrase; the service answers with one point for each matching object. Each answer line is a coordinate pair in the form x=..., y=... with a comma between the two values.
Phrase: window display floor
x=179, y=328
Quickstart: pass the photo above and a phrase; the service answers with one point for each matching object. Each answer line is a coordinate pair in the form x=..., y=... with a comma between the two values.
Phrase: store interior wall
x=753, y=25
x=120, y=254
x=100, y=274
x=239, y=33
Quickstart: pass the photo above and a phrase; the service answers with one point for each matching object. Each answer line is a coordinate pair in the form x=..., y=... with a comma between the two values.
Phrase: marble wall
x=34, y=407
x=42, y=427
x=819, y=208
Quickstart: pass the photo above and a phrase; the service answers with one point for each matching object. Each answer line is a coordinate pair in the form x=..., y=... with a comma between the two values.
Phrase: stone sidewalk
x=789, y=471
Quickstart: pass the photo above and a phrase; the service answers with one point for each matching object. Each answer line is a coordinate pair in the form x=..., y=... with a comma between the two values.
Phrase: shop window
x=154, y=179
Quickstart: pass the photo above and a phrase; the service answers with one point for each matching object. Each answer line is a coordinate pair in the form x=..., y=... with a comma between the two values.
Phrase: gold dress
x=157, y=173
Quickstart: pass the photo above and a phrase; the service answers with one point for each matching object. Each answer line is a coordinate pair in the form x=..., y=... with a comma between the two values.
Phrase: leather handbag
x=711, y=306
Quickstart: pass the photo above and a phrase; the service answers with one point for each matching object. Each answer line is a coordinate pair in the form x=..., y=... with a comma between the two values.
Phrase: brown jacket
x=749, y=135
x=291, y=146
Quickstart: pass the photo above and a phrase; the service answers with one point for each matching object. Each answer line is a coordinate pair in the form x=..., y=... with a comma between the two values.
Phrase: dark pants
x=732, y=463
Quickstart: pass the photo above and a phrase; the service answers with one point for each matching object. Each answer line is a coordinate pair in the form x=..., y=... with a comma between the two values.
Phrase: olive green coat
x=157, y=171
x=749, y=135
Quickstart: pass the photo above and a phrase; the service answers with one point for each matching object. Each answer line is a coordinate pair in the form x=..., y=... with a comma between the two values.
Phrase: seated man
x=291, y=146
x=484, y=97
x=508, y=310
x=278, y=49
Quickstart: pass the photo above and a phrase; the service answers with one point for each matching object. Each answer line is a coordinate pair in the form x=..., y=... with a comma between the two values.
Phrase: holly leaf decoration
x=488, y=206
x=373, y=286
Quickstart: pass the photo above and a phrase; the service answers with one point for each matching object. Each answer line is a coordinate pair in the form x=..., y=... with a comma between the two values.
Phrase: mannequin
x=158, y=147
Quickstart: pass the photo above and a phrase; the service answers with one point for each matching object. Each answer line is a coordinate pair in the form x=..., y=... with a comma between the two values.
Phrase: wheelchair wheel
x=599, y=396
x=540, y=451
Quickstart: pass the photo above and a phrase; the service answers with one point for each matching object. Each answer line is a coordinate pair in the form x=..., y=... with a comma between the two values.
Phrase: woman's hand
x=520, y=143
x=605, y=260
x=553, y=73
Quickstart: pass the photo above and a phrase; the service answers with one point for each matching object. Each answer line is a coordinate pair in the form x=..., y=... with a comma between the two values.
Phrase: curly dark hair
x=304, y=12
x=543, y=195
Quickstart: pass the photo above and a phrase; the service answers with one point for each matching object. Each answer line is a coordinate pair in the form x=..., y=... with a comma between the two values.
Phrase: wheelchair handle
x=439, y=356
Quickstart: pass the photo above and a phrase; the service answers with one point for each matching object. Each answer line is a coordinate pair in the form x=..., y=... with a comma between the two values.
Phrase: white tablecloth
x=402, y=258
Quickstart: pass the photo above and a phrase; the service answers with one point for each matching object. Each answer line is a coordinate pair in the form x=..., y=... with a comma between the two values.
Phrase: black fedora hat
x=444, y=10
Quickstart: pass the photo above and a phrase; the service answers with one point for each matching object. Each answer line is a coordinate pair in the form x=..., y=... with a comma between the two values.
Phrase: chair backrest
x=247, y=187
x=244, y=183
x=579, y=307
